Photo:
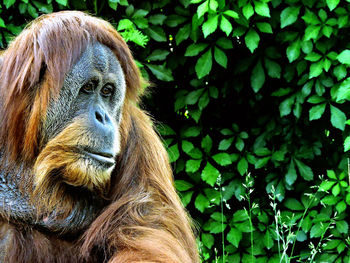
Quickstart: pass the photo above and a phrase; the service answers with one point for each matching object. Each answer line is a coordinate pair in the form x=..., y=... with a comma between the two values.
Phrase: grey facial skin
x=97, y=66
x=94, y=90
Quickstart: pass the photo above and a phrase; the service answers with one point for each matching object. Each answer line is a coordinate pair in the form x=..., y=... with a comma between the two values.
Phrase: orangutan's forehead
x=98, y=59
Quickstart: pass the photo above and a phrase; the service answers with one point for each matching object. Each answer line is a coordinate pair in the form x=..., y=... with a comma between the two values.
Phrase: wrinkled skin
x=93, y=91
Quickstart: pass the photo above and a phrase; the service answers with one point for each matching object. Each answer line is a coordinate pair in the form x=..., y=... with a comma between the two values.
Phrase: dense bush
x=251, y=98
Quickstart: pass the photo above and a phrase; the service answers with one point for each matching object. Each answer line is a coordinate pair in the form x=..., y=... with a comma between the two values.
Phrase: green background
x=251, y=98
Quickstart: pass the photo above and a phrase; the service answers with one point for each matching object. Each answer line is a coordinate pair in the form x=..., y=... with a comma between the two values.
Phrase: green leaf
x=228, y=191
x=338, y=118
x=220, y=57
x=332, y=4
x=194, y=49
x=203, y=101
x=158, y=54
x=157, y=33
x=317, y=111
x=161, y=72
x=257, y=78
x=217, y=227
x=330, y=200
x=174, y=20
x=204, y=64
x=310, y=18
x=2, y=23
x=331, y=174
x=124, y=24
x=8, y=3
x=222, y=159
x=286, y=106
x=183, y=34
x=32, y=11
x=213, y=4
x=313, y=57
x=340, y=72
x=165, y=130
x=268, y=241
x=316, y=69
x=242, y=166
x=327, y=31
x=195, y=154
x=342, y=226
x=291, y=175
x=239, y=144
x=219, y=217
x=248, y=10
x=315, y=99
x=44, y=8
x=187, y=146
x=289, y=15
x=224, y=43
x=192, y=166
x=234, y=236
x=231, y=13
x=273, y=69
x=293, y=204
x=208, y=240
x=262, y=8
x=225, y=25
x=210, y=25
x=347, y=144
x=326, y=185
x=332, y=244
x=293, y=50
x=341, y=207
x=336, y=190
x=264, y=27
x=344, y=57
x=140, y=13
x=344, y=90
x=186, y=197
x=225, y=144
x=240, y=216
x=207, y=143
x=304, y=170
x=112, y=3
x=252, y=40
x=182, y=185
x=201, y=203
x=318, y=230
x=173, y=153
x=191, y=132
x=311, y=32
x=157, y=19
x=194, y=96
x=210, y=174
x=281, y=92
x=203, y=8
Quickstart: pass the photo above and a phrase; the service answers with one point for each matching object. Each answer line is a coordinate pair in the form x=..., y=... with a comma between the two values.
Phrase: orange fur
x=145, y=220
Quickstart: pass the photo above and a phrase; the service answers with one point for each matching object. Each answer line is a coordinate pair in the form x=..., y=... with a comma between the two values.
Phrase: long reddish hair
x=145, y=221
x=41, y=56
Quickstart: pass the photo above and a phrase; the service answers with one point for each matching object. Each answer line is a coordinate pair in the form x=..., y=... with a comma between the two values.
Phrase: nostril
x=99, y=117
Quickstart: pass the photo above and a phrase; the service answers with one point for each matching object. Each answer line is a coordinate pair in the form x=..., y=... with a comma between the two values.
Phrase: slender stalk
x=222, y=227
x=251, y=230
x=301, y=221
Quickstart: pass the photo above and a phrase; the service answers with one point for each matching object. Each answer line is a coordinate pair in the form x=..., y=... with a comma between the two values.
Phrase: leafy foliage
x=257, y=87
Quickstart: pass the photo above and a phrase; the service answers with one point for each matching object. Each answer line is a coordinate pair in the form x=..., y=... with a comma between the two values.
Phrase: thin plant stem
x=301, y=221
x=222, y=227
